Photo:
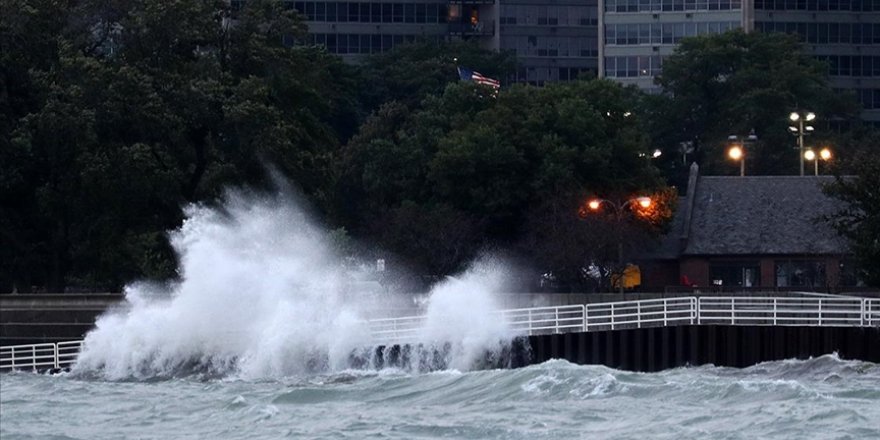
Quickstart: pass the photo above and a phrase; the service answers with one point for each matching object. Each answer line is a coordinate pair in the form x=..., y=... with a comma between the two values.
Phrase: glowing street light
x=824, y=154
x=620, y=209
x=800, y=130
x=737, y=150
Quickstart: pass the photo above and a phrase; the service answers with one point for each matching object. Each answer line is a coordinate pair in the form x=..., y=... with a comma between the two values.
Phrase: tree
x=859, y=221
x=116, y=113
x=733, y=83
x=492, y=161
x=410, y=72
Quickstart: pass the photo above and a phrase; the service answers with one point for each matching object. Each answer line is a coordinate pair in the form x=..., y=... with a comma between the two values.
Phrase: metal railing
x=782, y=311
x=872, y=312
x=39, y=357
x=396, y=330
x=638, y=314
x=541, y=320
x=528, y=321
x=804, y=311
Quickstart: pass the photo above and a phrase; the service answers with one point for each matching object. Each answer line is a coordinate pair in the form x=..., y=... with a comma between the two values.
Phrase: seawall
x=660, y=348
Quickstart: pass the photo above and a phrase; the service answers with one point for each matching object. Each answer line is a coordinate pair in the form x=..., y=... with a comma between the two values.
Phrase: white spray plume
x=459, y=312
x=261, y=295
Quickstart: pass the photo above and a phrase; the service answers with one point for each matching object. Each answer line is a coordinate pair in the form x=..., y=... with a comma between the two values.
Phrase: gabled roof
x=756, y=215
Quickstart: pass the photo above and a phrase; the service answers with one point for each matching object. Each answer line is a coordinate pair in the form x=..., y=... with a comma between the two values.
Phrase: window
x=800, y=273
x=735, y=274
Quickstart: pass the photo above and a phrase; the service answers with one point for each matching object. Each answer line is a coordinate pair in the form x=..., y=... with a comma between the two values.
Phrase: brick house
x=752, y=232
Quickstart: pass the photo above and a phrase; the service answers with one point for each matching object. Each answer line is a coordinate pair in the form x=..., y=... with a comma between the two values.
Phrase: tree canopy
x=859, y=221
x=491, y=167
x=117, y=113
x=738, y=83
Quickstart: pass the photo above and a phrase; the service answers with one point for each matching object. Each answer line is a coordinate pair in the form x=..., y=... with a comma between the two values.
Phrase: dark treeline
x=116, y=114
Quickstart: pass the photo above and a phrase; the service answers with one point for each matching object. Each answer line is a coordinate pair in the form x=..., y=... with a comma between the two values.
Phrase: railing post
x=697, y=308
x=732, y=311
x=586, y=323
x=34, y=357
x=55, y=348
x=557, y=319
x=820, y=312
x=612, y=316
x=530, y=322
x=774, y=311
x=665, y=302
x=638, y=314
x=863, y=313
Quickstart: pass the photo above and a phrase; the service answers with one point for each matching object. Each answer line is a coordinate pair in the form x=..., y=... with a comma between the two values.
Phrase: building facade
x=638, y=34
x=553, y=41
x=625, y=40
x=843, y=33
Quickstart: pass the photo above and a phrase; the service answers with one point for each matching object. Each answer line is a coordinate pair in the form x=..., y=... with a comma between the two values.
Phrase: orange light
x=594, y=204
x=644, y=202
x=735, y=153
x=825, y=154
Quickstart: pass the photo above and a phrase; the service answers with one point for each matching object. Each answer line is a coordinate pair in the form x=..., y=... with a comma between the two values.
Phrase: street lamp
x=800, y=130
x=736, y=153
x=737, y=150
x=619, y=210
x=824, y=154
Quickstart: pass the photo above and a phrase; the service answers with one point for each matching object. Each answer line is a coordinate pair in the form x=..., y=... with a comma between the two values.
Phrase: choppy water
x=821, y=398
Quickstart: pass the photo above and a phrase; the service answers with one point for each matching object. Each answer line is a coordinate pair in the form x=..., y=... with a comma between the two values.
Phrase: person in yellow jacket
x=632, y=277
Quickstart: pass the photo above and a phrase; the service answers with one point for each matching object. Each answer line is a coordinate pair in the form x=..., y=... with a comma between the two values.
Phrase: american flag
x=477, y=77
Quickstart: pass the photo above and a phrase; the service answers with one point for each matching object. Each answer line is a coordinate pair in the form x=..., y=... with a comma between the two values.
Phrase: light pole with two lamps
x=824, y=154
x=800, y=130
x=619, y=209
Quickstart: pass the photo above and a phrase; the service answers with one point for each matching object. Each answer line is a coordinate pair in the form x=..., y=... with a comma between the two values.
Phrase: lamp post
x=737, y=150
x=736, y=153
x=800, y=130
x=824, y=154
x=619, y=209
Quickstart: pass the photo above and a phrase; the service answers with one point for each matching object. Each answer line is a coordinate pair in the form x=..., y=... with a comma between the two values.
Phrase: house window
x=735, y=274
x=800, y=273
x=850, y=274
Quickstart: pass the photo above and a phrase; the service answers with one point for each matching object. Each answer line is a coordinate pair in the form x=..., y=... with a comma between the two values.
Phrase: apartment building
x=553, y=41
x=638, y=34
x=843, y=33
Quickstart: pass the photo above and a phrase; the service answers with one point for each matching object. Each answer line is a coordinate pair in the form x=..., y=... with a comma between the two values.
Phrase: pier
x=641, y=335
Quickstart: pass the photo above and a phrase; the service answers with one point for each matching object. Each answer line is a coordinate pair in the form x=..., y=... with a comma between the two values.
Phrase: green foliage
x=859, y=221
x=410, y=72
x=733, y=83
x=116, y=113
x=484, y=165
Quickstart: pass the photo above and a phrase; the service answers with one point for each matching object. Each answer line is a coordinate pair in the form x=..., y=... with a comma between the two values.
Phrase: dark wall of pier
x=659, y=348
